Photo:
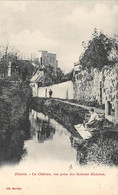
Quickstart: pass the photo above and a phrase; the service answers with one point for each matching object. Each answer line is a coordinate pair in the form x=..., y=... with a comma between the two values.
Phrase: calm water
x=50, y=150
x=49, y=142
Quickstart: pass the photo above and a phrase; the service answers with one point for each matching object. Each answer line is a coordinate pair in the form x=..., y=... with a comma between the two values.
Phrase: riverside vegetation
x=15, y=98
x=101, y=149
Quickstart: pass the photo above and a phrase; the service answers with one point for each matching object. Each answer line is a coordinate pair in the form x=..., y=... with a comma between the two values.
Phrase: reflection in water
x=41, y=127
x=51, y=139
x=58, y=143
x=45, y=130
x=43, y=140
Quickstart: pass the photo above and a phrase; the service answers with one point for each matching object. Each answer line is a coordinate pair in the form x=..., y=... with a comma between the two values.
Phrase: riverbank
x=66, y=114
x=102, y=148
x=15, y=99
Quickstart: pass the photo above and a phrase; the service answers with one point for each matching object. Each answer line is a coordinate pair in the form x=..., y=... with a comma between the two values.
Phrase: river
x=40, y=142
x=50, y=151
x=49, y=142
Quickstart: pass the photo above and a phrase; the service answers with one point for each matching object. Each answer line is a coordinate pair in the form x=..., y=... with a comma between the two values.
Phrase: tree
x=20, y=69
x=25, y=69
x=98, y=50
x=69, y=76
x=114, y=52
x=60, y=75
x=8, y=54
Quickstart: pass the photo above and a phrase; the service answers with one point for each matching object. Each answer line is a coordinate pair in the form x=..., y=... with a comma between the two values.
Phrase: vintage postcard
x=59, y=97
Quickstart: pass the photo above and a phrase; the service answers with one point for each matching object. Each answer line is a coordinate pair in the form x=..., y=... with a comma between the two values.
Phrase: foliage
x=98, y=50
x=7, y=54
x=20, y=69
x=52, y=76
x=69, y=76
x=25, y=69
x=14, y=124
x=60, y=75
x=101, y=149
x=66, y=114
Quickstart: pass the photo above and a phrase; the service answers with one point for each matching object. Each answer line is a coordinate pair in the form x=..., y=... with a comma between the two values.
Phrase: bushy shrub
x=102, y=150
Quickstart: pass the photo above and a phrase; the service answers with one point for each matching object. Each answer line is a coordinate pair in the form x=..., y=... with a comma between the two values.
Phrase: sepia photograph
x=58, y=97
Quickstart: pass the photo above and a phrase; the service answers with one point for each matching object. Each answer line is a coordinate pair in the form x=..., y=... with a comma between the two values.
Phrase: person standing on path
x=50, y=93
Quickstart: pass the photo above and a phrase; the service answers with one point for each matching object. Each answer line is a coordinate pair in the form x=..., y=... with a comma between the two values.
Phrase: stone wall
x=109, y=85
x=86, y=86
x=99, y=86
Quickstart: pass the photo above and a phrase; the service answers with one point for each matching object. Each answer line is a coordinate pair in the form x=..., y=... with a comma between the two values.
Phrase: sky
x=56, y=26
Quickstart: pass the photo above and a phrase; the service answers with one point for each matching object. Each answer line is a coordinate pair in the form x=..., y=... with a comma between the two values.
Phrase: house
x=45, y=73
